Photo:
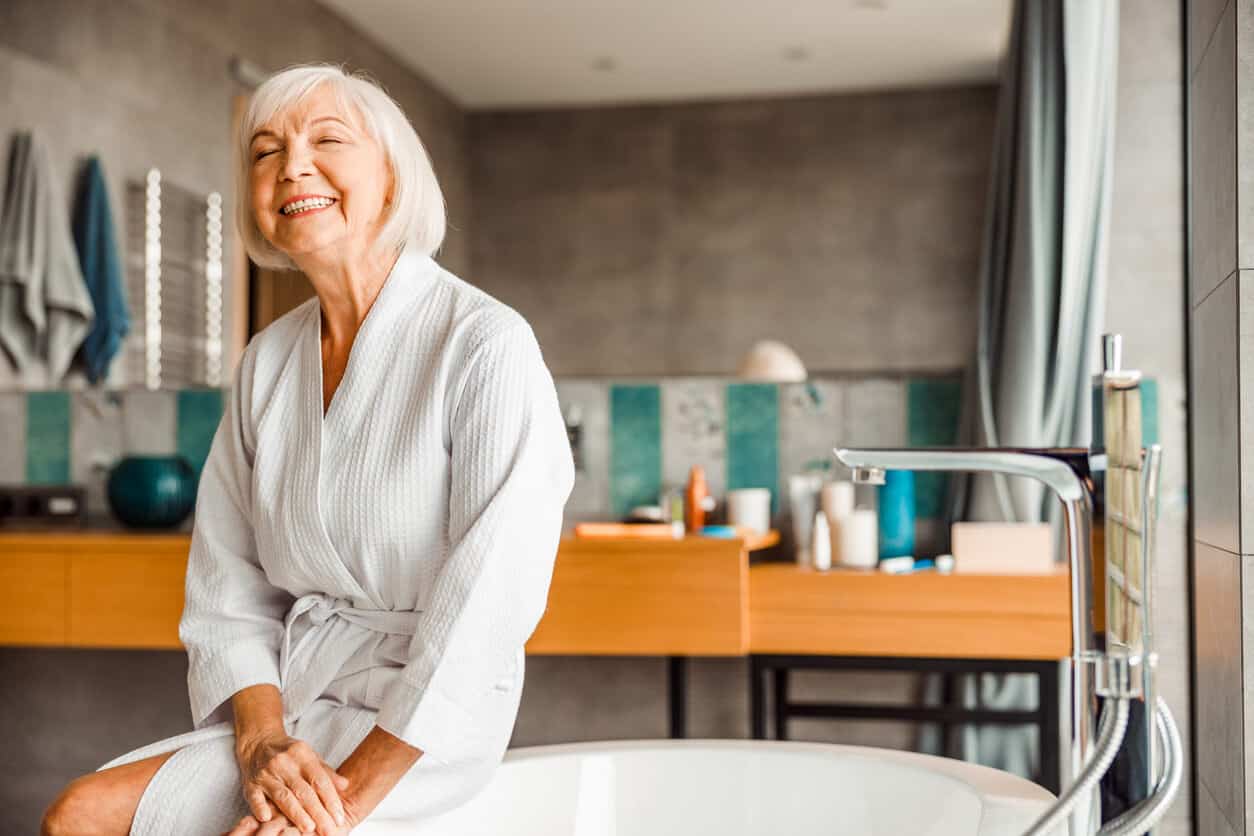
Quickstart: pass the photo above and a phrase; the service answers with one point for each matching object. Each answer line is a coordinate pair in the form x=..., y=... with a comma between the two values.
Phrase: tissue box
x=1002, y=548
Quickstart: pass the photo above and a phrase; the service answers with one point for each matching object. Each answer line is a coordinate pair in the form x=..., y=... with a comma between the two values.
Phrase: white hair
x=417, y=215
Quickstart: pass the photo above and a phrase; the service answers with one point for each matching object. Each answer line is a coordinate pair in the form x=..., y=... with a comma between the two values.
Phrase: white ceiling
x=541, y=53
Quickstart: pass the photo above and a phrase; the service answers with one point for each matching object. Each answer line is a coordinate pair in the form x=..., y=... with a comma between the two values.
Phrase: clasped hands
x=291, y=790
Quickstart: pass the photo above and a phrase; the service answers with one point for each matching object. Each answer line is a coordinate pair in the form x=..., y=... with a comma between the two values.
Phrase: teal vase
x=152, y=491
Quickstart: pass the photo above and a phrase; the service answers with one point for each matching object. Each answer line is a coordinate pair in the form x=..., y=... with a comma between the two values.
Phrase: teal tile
x=753, y=438
x=1149, y=411
x=635, y=446
x=933, y=407
x=48, y=437
x=199, y=412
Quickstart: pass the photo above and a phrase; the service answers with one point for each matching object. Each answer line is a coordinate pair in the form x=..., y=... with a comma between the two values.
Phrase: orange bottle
x=695, y=500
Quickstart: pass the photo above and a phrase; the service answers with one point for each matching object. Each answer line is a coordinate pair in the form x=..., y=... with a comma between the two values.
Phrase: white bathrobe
x=383, y=564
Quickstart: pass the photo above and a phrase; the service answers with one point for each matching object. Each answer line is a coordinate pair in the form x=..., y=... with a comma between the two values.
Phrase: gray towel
x=45, y=307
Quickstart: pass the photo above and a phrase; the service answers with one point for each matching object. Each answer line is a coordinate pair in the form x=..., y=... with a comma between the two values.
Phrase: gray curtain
x=1042, y=286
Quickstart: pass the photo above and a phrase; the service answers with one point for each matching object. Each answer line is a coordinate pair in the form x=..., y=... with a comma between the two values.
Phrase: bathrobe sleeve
x=512, y=472
x=232, y=616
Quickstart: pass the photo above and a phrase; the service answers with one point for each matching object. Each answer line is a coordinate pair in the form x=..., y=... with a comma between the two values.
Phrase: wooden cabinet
x=92, y=589
x=924, y=614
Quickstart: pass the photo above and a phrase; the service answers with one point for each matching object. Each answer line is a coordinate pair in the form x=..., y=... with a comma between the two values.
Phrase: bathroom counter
x=88, y=588
x=634, y=597
x=697, y=596
x=850, y=612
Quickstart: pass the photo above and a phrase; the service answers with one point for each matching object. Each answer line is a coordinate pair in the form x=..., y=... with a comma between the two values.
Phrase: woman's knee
x=74, y=811
x=101, y=803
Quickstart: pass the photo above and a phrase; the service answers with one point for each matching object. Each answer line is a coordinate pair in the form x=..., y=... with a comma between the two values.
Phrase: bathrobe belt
x=307, y=669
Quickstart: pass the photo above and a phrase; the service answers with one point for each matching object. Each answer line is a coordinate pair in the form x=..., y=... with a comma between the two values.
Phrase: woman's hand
x=278, y=826
x=277, y=770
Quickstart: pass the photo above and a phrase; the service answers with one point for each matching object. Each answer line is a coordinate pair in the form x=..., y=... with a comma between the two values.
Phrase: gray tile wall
x=666, y=240
x=1219, y=162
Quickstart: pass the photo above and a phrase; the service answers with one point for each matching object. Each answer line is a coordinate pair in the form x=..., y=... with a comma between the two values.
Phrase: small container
x=750, y=507
x=803, y=491
x=821, y=543
x=695, y=499
x=896, y=510
x=856, y=535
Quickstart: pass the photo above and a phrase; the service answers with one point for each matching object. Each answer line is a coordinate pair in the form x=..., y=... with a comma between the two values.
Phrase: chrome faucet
x=1108, y=495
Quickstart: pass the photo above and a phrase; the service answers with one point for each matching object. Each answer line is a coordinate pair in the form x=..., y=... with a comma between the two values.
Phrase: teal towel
x=102, y=272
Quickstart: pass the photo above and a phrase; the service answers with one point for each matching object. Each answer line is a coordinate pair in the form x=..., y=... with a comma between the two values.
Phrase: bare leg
x=101, y=803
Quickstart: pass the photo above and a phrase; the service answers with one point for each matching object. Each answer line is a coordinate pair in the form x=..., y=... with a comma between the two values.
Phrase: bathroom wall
x=145, y=83
x=1221, y=344
x=665, y=240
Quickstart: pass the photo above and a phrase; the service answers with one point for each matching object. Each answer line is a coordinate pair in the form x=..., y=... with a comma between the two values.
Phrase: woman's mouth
x=305, y=205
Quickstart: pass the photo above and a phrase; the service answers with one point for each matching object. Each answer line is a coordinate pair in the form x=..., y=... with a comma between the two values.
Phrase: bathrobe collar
x=412, y=278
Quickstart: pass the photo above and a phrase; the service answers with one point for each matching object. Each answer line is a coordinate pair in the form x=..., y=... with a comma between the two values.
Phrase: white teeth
x=306, y=204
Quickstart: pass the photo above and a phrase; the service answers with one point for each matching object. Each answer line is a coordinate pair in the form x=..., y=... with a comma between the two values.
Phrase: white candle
x=857, y=537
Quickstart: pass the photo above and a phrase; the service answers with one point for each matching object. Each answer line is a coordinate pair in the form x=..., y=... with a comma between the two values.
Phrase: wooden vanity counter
x=609, y=597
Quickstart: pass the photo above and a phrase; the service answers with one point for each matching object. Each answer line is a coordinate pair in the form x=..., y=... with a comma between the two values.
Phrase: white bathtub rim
x=993, y=785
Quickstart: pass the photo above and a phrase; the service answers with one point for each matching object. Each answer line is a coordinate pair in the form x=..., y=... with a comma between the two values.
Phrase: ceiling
x=490, y=54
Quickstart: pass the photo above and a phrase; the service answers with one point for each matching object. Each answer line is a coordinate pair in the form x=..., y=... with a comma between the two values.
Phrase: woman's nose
x=297, y=163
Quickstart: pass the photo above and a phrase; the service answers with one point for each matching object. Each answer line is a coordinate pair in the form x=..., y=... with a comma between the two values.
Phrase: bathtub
x=734, y=788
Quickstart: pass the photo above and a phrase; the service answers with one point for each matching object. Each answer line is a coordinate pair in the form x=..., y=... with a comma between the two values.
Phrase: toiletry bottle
x=695, y=500
x=896, y=504
x=821, y=544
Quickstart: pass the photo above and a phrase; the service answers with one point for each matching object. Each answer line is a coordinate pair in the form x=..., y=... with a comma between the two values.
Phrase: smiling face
x=319, y=182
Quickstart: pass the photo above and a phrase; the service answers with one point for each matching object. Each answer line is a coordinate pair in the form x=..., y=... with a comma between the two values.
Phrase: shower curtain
x=1042, y=288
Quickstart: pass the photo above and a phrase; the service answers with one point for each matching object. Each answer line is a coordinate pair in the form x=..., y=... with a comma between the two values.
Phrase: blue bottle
x=896, y=501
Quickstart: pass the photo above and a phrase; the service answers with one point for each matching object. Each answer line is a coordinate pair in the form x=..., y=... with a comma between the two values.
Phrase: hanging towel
x=45, y=309
x=102, y=272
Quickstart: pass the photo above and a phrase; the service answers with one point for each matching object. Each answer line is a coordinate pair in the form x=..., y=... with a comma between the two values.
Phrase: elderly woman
x=378, y=515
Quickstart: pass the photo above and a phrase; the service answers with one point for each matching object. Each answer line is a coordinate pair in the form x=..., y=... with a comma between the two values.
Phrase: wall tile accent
x=753, y=438
x=875, y=414
x=932, y=412
x=635, y=446
x=48, y=437
x=1216, y=460
x=13, y=446
x=199, y=413
x=693, y=431
x=150, y=422
x=96, y=431
x=1219, y=682
x=811, y=423
x=588, y=400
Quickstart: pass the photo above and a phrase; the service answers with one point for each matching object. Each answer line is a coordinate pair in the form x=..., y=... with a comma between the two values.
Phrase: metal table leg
x=677, y=682
x=757, y=698
x=1049, y=700
x=781, y=702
